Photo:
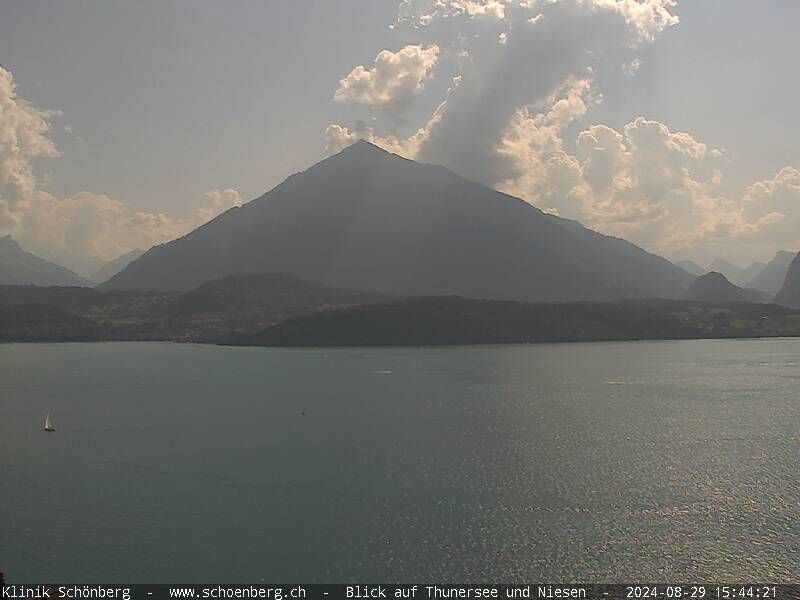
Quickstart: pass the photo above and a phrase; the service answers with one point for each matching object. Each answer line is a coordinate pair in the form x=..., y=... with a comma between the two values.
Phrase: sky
x=672, y=124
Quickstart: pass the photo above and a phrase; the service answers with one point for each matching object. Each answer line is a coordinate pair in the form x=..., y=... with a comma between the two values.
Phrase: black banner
x=537, y=591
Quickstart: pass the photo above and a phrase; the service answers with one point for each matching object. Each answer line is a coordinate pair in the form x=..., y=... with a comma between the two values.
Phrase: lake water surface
x=649, y=461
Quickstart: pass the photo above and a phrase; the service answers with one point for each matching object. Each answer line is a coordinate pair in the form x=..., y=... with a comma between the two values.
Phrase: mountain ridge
x=18, y=267
x=770, y=279
x=715, y=287
x=115, y=265
x=789, y=295
x=692, y=267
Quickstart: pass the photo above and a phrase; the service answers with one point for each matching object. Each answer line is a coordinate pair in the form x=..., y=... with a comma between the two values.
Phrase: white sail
x=47, y=423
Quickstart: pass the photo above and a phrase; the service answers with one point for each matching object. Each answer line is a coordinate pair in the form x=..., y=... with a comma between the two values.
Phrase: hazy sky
x=171, y=111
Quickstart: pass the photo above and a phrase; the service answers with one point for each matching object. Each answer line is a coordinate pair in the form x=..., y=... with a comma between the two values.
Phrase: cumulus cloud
x=218, y=202
x=338, y=136
x=83, y=230
x=774, y=206
x=23, y=136
x=650, y=185
x=645, y=182
x=421, y=13
x=394, y=80
x=512, y=56
x=547, y=44
x=86, y=229
x=525, y=72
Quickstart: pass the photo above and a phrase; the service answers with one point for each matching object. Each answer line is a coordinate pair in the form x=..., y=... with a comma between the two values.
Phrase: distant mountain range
x=715, y=287
x=740, y=276
x=692, y=267
x=732, y=273
x=368, y=219
x=770, y=279
x=18, y=267
x=765, y=277
x=748, y=273
x=790, y=292
x=112, y=267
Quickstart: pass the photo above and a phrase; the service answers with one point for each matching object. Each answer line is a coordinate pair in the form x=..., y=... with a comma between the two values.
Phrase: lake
x=637, y=461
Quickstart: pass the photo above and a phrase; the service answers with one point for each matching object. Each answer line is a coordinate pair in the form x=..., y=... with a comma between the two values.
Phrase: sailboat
x=48, y=424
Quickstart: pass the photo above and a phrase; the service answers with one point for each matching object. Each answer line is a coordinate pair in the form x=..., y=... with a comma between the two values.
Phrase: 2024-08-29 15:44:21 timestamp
x=721, y=592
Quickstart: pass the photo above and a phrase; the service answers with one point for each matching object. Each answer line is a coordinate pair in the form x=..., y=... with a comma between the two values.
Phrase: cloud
x=338, y=136
x=632, y=67
x=647, y=18
x=547, y=45
x=650, y=185
x=83, y=230
x=394, y=80
x=86, y=229
x=511, y=56
x=774, y=206
x=647, y=184
x=421, y=13
x=23, y=136
x=525, y=77
x=219, y=202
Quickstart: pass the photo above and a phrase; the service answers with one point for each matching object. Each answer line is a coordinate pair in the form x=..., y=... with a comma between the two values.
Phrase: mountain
x=731, y=271
x=18, y=267
x=770, y=279
x=367, y=219
x=692, y=267
x=112, y=267
x=714, y=287
x=748, y=273
x=790, y=292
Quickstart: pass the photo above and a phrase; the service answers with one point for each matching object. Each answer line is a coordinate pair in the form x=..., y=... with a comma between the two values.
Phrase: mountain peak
x=9, y=243
x=770, y=279
x=359, y=157
x=365, y=144
x=715, y=276
x=363, y=148
x=367, y=219
x=715, y=287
